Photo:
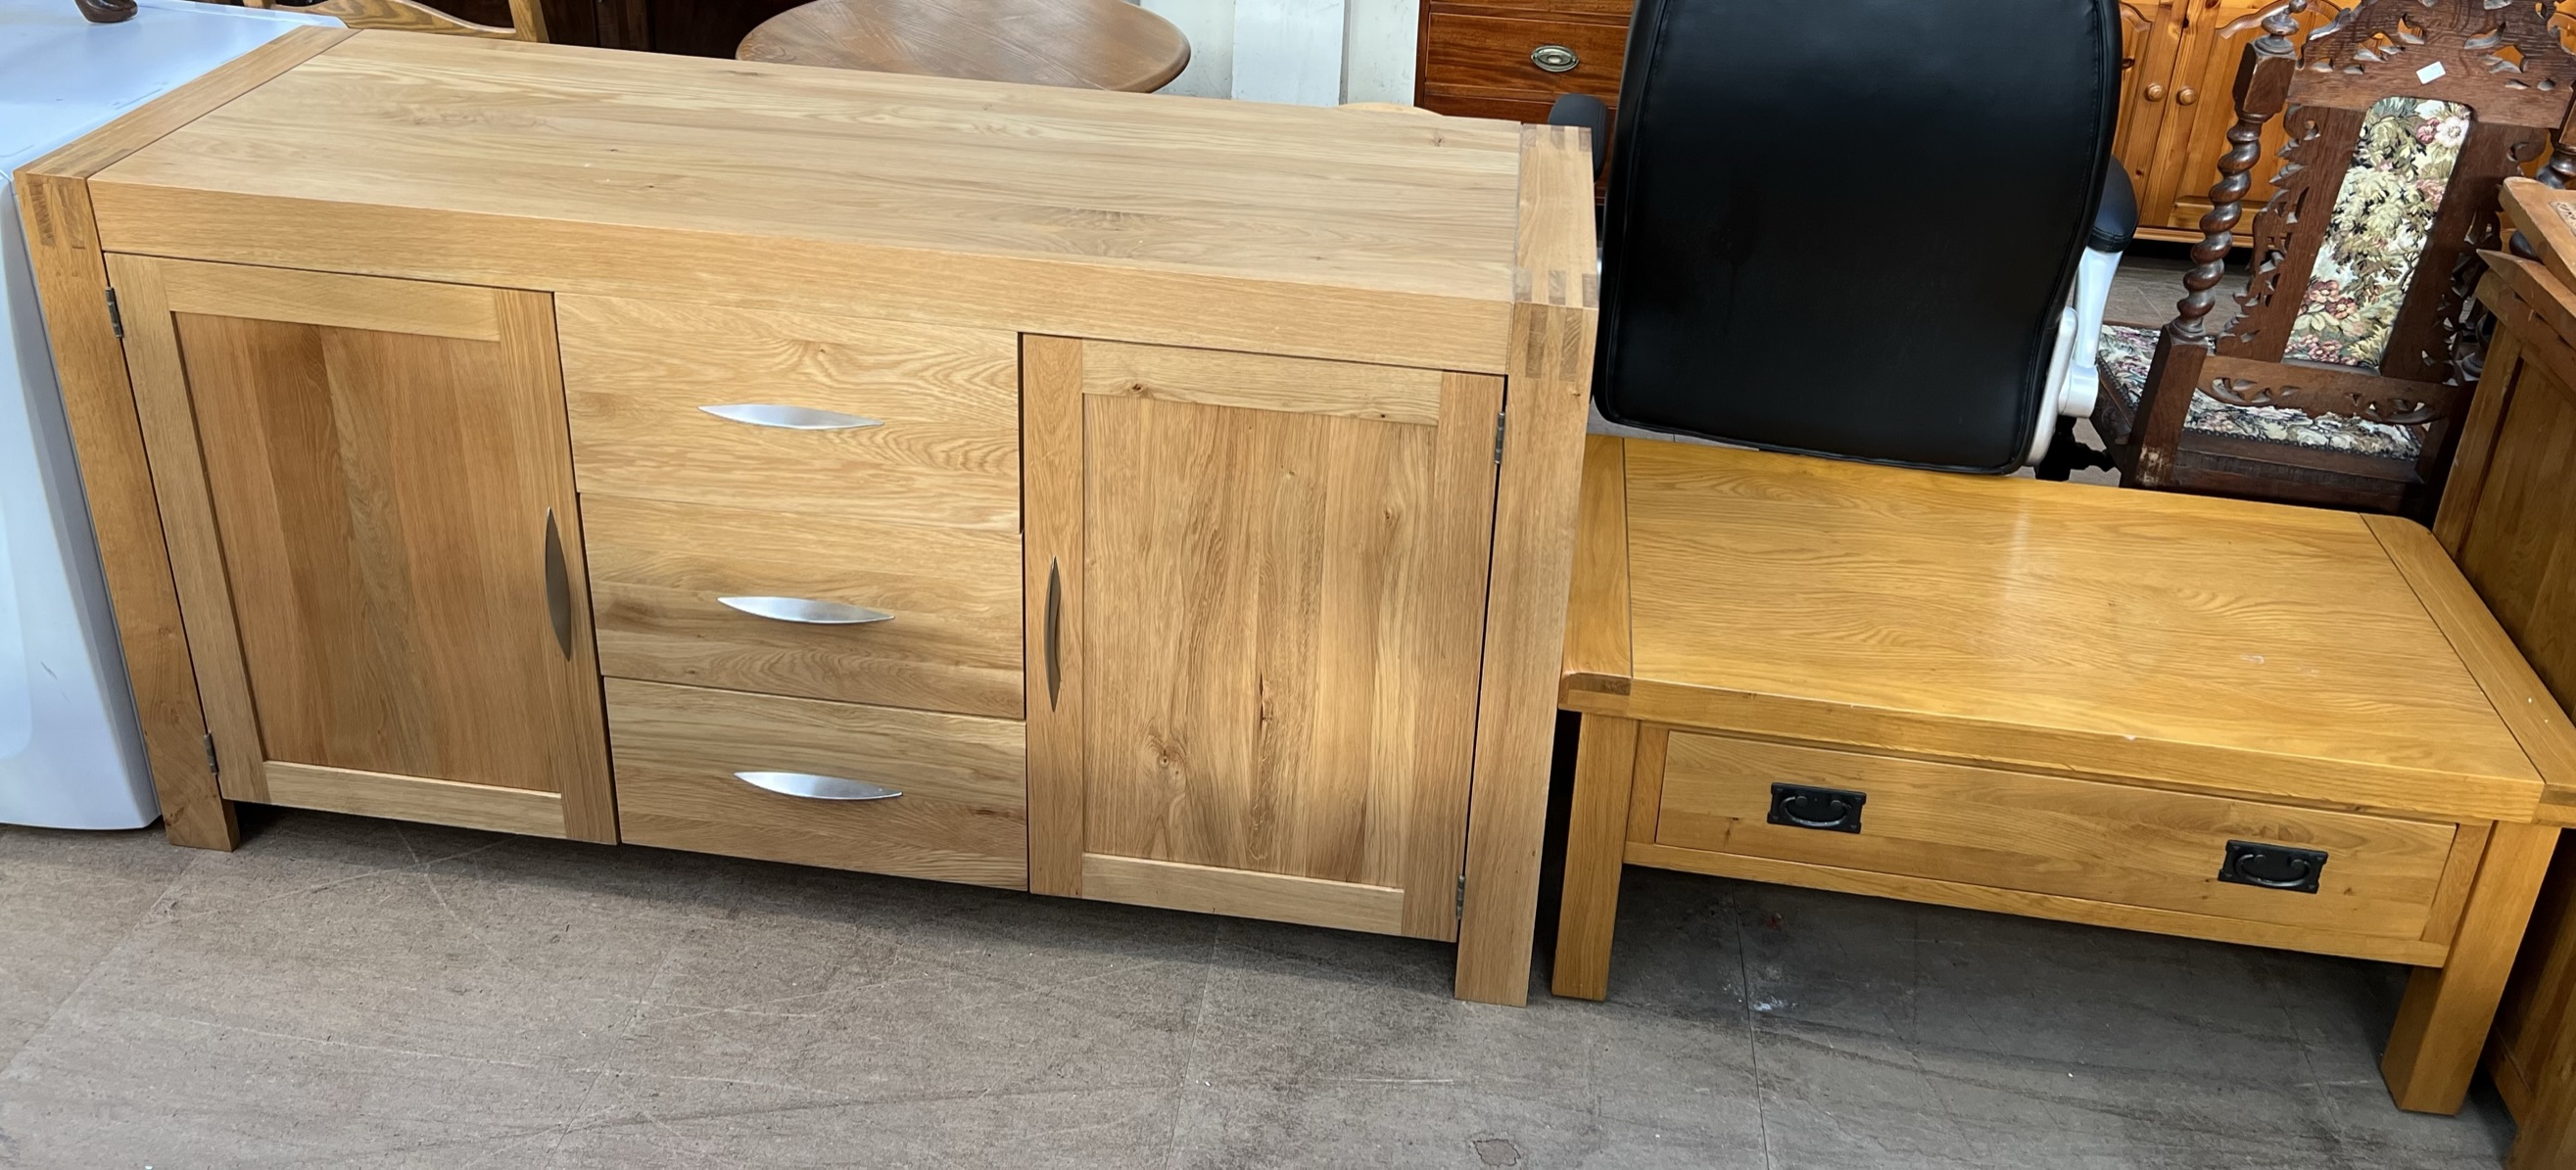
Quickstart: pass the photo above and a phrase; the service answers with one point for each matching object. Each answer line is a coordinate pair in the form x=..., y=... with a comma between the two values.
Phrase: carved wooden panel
x=2501, y=58
x=2323, y=391
x=2290, y=229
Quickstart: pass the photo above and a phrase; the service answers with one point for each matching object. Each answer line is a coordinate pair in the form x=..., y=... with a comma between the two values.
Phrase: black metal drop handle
x=1803, y=806
x=2273, y=867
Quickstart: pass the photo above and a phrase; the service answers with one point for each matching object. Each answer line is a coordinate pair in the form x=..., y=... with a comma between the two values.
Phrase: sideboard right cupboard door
x=1256, y=592
x=373, y=531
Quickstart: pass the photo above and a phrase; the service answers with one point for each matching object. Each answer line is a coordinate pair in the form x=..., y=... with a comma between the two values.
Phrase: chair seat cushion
x=2127, y=352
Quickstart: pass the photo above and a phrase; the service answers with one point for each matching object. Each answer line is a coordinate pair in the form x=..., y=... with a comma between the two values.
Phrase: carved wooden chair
x=527, y=17
x=2357, y=343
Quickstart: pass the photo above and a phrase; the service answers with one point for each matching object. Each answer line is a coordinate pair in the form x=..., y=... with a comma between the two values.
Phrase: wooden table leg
x=2442, y=1025
x=1596, y=838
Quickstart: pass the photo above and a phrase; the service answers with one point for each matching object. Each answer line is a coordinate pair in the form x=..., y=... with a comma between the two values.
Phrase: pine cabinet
x=1072, y=492
x=2177, y=90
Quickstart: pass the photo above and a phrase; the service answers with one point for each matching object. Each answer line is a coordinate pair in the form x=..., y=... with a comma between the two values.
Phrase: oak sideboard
x=1115, y=496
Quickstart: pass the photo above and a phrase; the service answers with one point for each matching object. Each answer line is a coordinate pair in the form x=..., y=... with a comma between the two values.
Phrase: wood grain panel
x=658, y=568
x=2525, y=704
x=1611, y=12
x=116, y=483
x=2073, y=838
x=1243, y=894
x=1213, y=377
x=946, y=450
x=342, y=302
x=2414, y=952
x=1605, y=767
x=415, y=798
x=1490, y=56
x=1597, y=643
x=961, y=817
x=361, y=521
x=2516, y=551
x=1280, y=636
x=2442, y=1023
x=1525, y=110
x=1556, y=285
x=1052, y=592
x=1230, y=225
x=1909, y=612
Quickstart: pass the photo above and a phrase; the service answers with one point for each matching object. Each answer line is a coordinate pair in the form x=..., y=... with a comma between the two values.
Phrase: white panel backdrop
x=1312, y=52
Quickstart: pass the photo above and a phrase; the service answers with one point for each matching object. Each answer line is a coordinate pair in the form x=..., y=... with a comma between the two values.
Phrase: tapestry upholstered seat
x=2128, y=351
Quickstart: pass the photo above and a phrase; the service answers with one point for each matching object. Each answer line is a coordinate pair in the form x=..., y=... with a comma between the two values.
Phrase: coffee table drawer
x=884, y=420
x=795, y=603
x=781, y=779
x=2050, y=835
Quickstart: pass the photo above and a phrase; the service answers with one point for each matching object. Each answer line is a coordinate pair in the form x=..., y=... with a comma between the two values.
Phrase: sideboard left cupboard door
x=1256, y=592
x=375, y=541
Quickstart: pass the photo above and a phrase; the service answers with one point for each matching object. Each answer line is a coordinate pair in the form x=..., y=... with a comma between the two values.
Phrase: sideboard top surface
x=1392, y=202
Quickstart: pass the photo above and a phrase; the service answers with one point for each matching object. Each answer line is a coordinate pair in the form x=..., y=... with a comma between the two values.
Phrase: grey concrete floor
x=353, y=993
x=2149, y=281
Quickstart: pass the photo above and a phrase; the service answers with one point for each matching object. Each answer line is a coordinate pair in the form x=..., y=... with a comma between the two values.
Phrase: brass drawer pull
x=806, y=610
x=2273, y=867
x=1555, y=58
x=794, y=418
x=1802, y=806
x=809, y=786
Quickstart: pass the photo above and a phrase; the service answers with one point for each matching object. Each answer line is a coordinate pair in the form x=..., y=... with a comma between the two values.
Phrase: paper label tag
x=2430, y=74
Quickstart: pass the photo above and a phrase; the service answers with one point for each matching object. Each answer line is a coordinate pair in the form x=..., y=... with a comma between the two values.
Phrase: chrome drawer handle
x=1555, y=58
x=794, y=418
x=813, y=787
x=806, y=610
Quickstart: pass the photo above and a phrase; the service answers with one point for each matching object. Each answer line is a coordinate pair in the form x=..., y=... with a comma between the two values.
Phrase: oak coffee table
x=2246, y=722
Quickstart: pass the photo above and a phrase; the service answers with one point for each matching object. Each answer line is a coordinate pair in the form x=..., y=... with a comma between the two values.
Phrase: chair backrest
x=2366, y=254
x=1897, y=302
x=527, y=18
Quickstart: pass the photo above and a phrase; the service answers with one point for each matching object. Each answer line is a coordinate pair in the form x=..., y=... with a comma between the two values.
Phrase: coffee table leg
x=1596, y=839
x=2442, y=1025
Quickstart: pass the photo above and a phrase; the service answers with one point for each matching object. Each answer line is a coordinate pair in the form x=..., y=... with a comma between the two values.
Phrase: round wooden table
x=1084, y=44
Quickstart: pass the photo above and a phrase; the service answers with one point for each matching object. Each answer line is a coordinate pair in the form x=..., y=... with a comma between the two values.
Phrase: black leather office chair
x=1849, y=227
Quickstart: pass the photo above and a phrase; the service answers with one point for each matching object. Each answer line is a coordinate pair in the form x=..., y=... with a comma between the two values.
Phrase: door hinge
x=115, y=315
x=1499, y=419
x=1460, y=907
x=213, y=764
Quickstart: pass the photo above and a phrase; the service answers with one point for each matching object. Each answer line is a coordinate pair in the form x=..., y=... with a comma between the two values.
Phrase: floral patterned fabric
x=2127, y=352
x=2400, y=165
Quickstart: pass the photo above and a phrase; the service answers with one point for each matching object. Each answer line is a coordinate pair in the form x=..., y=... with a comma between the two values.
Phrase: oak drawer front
x=2045, y=834
x=682, y=754
x=787, y=603
x=1501, y=57
x=877, y=419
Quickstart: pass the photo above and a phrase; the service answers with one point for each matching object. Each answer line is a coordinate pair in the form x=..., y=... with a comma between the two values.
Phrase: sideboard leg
x=198, y=818
x=2442, y=1025
x=1596, y=839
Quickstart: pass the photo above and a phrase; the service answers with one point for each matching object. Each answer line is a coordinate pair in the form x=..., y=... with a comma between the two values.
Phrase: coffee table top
x=2218, y=645
x=1082, y=44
